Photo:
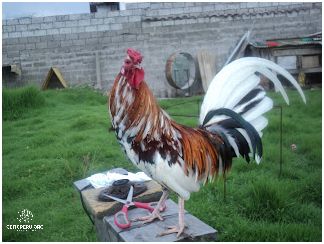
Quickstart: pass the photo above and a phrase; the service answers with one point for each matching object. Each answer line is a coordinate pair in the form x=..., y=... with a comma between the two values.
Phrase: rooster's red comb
x=135, y=55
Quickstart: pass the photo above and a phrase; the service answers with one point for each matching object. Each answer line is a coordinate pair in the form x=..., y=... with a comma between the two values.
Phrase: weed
x=17, y=101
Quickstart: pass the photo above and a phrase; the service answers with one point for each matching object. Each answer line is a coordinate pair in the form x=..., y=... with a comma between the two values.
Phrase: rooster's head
x=131, y=68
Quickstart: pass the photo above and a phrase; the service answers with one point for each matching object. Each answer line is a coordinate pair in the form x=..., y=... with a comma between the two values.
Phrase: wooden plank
x=310, y=61
x=296, y=51
x=207, y=67
x=99, y=209
x=196, y=230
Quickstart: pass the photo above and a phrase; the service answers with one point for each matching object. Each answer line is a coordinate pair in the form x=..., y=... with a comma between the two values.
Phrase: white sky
x=12, y=10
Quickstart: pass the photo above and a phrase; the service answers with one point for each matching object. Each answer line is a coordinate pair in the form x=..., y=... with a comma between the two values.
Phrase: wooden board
x=196, y=230
x=54, y=76
x=98, y=209
x=207, y=67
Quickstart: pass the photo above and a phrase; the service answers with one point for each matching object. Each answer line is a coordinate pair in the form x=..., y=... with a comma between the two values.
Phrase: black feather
x=252, y=94
x=242, y=123
x=251, y=105
x=242, y=144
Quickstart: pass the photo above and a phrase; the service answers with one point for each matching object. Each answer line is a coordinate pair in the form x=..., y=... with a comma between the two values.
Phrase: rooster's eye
x=127, y=61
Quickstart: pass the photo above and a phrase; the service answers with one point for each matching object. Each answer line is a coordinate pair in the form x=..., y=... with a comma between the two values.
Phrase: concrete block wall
x=81, y=45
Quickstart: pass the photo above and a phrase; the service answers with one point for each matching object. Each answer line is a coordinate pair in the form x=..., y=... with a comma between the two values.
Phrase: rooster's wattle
x=180, y=158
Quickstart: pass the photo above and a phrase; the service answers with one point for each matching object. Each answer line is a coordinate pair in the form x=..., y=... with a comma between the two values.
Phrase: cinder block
x=164, y=11
x=34, y=27
x=33, y=39
x=66, y=43
x=252, y=5
x=30, y=46
x=195, y=9
x=78, y=42
x=138, y=12
x=14, y=34
x=131, y=5
x=48, y=25
x=103, y=27
x=41, y=45
x=26, y=33
x=156, y=5
x=167, y=5
x=90, y=28
x=128, y=38
x=96, y=21
x=75, y=17
x=37, y=20
x=113, y=13
x=24, y=21
x=134, y=18
x=72, y=36
x=167, y=22
x=53, y=44
x=125, y=13
x=84, y=22
x=18, y=47
x=49, y=19
x=116, y=26
x=121, y=19
x=39, y=32
x=12, y=22
x=9, y=28
x=176, y=10
x=191, y=21
x=71, y=23
x=53, y=31
x=109, y=20
x=143, y=5
x=116, y=39
x=179, y=21
x=63, y=17
x=66, y=30
x=84, y=35
x=77, y=29
x=178, y=5
x=59, y=24
x=92, y=41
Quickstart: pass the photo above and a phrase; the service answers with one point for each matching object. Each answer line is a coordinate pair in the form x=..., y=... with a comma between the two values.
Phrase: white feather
x=262, y=107
x=240, y=108
x=248, y=85
x=259, y=124
x=233, y=79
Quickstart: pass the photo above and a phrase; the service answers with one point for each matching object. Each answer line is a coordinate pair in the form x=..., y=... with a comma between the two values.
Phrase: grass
x=66, y=137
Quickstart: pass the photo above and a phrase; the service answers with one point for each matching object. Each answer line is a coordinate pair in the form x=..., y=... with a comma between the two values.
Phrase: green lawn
x=45, y=148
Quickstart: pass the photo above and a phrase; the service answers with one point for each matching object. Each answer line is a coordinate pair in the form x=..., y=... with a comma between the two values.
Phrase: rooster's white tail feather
x=234, y=101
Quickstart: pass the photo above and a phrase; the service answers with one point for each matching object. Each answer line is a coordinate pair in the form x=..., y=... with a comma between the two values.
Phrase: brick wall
x=78, y=43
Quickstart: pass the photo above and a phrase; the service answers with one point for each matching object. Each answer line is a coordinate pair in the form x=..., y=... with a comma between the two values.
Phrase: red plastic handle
x=121, y=218
x=144, y=205
x=149, y=206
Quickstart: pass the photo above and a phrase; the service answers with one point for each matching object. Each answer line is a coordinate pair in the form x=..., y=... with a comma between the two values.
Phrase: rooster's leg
x=156, y=212
x=177, y=229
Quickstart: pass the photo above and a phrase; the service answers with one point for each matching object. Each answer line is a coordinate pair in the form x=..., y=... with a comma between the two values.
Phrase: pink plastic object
x=123, y=214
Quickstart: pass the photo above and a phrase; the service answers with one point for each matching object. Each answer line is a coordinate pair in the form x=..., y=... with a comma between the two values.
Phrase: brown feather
x=196, y=145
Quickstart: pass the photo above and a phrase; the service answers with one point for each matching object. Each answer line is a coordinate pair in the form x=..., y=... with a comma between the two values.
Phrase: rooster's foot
x=173, y=229
x=149, y=218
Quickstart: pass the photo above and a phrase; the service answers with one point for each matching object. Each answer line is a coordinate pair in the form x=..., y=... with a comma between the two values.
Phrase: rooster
x=181, y=158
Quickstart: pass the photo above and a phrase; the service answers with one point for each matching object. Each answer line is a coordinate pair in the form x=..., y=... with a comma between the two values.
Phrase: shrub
x=18, y=101
x=266, y=202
